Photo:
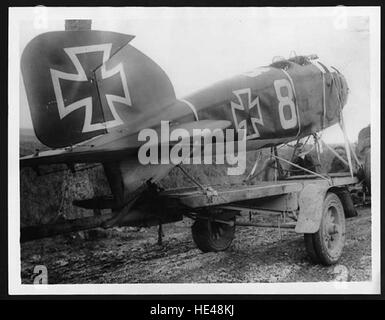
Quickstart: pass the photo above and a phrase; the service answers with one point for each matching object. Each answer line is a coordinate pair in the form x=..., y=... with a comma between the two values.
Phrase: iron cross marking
x=78, y=90
x=249, y=124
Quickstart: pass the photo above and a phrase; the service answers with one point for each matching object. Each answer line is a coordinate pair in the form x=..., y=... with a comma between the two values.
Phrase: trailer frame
x=297, y=204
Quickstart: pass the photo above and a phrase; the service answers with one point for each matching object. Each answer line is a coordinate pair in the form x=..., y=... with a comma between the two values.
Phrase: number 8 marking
x=285, y=101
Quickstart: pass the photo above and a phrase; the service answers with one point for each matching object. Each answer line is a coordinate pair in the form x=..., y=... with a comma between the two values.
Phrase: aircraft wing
x=107, y=147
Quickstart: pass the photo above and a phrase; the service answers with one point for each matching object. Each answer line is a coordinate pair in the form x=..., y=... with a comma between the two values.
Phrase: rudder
x=80, y=84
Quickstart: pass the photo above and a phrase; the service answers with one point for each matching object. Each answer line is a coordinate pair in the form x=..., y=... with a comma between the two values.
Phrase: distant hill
x=27, y=132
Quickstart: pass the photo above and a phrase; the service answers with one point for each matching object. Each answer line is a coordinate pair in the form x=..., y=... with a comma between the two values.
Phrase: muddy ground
x=131, y=255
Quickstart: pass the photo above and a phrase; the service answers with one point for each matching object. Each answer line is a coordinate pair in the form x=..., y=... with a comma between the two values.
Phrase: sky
x=199, y=46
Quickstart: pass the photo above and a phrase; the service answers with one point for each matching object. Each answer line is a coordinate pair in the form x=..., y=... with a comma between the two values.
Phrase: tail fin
x=81, y=83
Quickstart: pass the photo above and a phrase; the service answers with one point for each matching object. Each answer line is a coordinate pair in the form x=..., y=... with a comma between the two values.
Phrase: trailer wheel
x=310, y=248
x=347, y=203
x=326, y=245
x=212, y=236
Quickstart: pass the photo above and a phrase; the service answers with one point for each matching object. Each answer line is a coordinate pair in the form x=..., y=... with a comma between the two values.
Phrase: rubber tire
x=347, y=202
x=315, y=246
x=202, y=235
x=310, y=248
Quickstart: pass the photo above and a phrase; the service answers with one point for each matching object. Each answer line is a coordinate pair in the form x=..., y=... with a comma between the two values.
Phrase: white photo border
x=14, y=261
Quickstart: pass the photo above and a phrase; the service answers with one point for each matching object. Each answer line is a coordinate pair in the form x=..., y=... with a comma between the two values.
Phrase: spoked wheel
x=326, y=245
x=212, y=236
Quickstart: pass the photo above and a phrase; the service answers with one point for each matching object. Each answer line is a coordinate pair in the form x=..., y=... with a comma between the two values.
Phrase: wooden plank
x=341, y=181
x=195, y=198
x=229, y=194
x=335, y=180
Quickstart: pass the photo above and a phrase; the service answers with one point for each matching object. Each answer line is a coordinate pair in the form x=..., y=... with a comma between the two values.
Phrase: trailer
x=313, y=206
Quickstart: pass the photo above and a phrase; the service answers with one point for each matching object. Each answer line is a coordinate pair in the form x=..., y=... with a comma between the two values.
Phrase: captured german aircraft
x=91, y=92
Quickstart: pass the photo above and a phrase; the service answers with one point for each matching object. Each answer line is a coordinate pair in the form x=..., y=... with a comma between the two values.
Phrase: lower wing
x=108, y=147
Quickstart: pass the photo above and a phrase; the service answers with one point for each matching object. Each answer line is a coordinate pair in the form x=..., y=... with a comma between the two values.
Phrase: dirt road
x=256, y=255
